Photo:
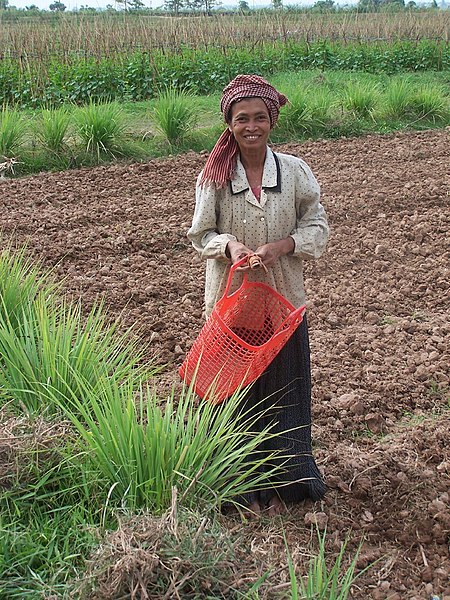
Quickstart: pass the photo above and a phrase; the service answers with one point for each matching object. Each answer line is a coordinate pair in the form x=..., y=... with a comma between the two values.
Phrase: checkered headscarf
x=220, y=166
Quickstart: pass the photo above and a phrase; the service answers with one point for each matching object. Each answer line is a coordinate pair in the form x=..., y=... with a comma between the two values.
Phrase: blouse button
x=262, y=219
x=244, y=221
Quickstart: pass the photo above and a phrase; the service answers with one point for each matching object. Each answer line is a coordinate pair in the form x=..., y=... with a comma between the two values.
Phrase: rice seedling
x=52, y=129
x=101, y=130
x=361, y=98
x=143, y=449
x=296, y=118
x=21, y=281
x=12, y=132
x=52, y=344
x=430, y=104
x=42, y=549
x=397, y=99
x=322, y=582
x=174, y=115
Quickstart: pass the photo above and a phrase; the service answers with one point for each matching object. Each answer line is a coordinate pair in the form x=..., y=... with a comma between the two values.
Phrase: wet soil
x=378, y=304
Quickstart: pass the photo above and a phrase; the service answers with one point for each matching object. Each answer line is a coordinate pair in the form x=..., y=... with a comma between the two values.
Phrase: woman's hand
x=270, y=253
x=236, y=251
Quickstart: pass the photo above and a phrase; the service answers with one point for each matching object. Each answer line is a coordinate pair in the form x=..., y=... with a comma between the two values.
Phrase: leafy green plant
x=322, y=582
x=398, y=99
x=360, y=98
x=174, y=115
x=52, y=344
x=21, y=281
x=101, y=130
x=12, y=132
x=52, y=129
x=143, y=449
x=430, y=104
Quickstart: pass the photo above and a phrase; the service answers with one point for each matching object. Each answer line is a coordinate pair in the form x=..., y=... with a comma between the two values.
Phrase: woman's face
x=250, y=123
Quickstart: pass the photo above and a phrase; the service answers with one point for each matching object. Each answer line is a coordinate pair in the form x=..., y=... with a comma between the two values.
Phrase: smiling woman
x=253, y=202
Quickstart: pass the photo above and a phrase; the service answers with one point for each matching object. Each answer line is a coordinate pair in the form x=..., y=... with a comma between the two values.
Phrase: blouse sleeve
x=204, y=232
x=311, y=232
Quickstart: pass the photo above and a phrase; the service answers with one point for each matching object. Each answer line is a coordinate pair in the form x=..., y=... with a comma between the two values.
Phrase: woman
x=251, y=200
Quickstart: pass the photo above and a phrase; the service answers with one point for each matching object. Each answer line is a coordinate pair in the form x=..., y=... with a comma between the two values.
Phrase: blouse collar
x=271, y=179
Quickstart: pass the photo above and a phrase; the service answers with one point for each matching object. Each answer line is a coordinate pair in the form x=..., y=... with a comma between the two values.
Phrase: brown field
x=379, y=326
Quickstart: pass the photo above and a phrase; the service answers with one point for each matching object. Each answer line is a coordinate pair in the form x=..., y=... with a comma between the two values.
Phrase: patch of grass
x=321, y=581
x=175, y=115
x=296, y=118
x=42, y=550
x=361, y=99
x=430, y=104
x=101, y=130
x=51, y=129
x=12, y=132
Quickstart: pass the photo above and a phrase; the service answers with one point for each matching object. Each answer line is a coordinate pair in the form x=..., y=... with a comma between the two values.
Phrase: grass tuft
x=175, y=116
x=101, y=130
x=12, y=132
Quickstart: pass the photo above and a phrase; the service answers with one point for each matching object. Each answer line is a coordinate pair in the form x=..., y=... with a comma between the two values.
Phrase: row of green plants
x=118, y=451
x=320, y=106
x=29, y=83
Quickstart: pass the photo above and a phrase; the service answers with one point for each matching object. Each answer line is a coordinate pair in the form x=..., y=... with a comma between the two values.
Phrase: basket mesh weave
x=244, y=333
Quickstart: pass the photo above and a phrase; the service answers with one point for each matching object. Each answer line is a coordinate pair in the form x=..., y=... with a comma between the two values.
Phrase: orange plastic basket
x=242, y=336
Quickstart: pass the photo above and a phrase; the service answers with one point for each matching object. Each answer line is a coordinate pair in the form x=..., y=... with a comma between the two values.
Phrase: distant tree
x=135, y=4
x=323, y=6
x=32, y=8
x=243, y=6
x=204, y=6
x=173, y=6
x=369, y=5
x=4, y=4
x=57, y=6
x=277, y=3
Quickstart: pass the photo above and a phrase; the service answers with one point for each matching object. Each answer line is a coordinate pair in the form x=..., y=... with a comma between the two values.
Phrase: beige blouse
x=289, y=206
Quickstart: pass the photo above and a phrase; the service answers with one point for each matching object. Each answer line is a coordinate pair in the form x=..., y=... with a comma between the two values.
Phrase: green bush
x=142, y=75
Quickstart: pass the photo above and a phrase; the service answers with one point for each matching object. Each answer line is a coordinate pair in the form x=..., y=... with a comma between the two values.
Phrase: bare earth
x=378, y=315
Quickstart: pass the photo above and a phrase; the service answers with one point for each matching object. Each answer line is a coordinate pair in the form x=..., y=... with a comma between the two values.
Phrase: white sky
x=74, y=4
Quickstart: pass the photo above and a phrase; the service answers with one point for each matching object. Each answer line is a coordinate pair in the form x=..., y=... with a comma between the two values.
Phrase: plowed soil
x=378, y=316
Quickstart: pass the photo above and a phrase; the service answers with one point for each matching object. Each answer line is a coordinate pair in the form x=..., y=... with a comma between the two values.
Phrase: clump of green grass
x=175, y=115
x=398, y=99
x=52, y=344
x=360, y=98
x=52, y=129
x=21, y=282
x=12, y=132
x=322, y=582
x=430, y=104
x=143, y=448
x=101, y=130
x=45, y=340
x=296, y=119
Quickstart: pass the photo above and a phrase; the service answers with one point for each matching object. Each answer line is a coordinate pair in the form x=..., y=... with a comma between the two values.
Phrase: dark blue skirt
x=284, y=391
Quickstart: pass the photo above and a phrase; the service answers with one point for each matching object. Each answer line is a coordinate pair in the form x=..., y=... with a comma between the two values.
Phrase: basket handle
x=231, y=273
x=295, y=318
